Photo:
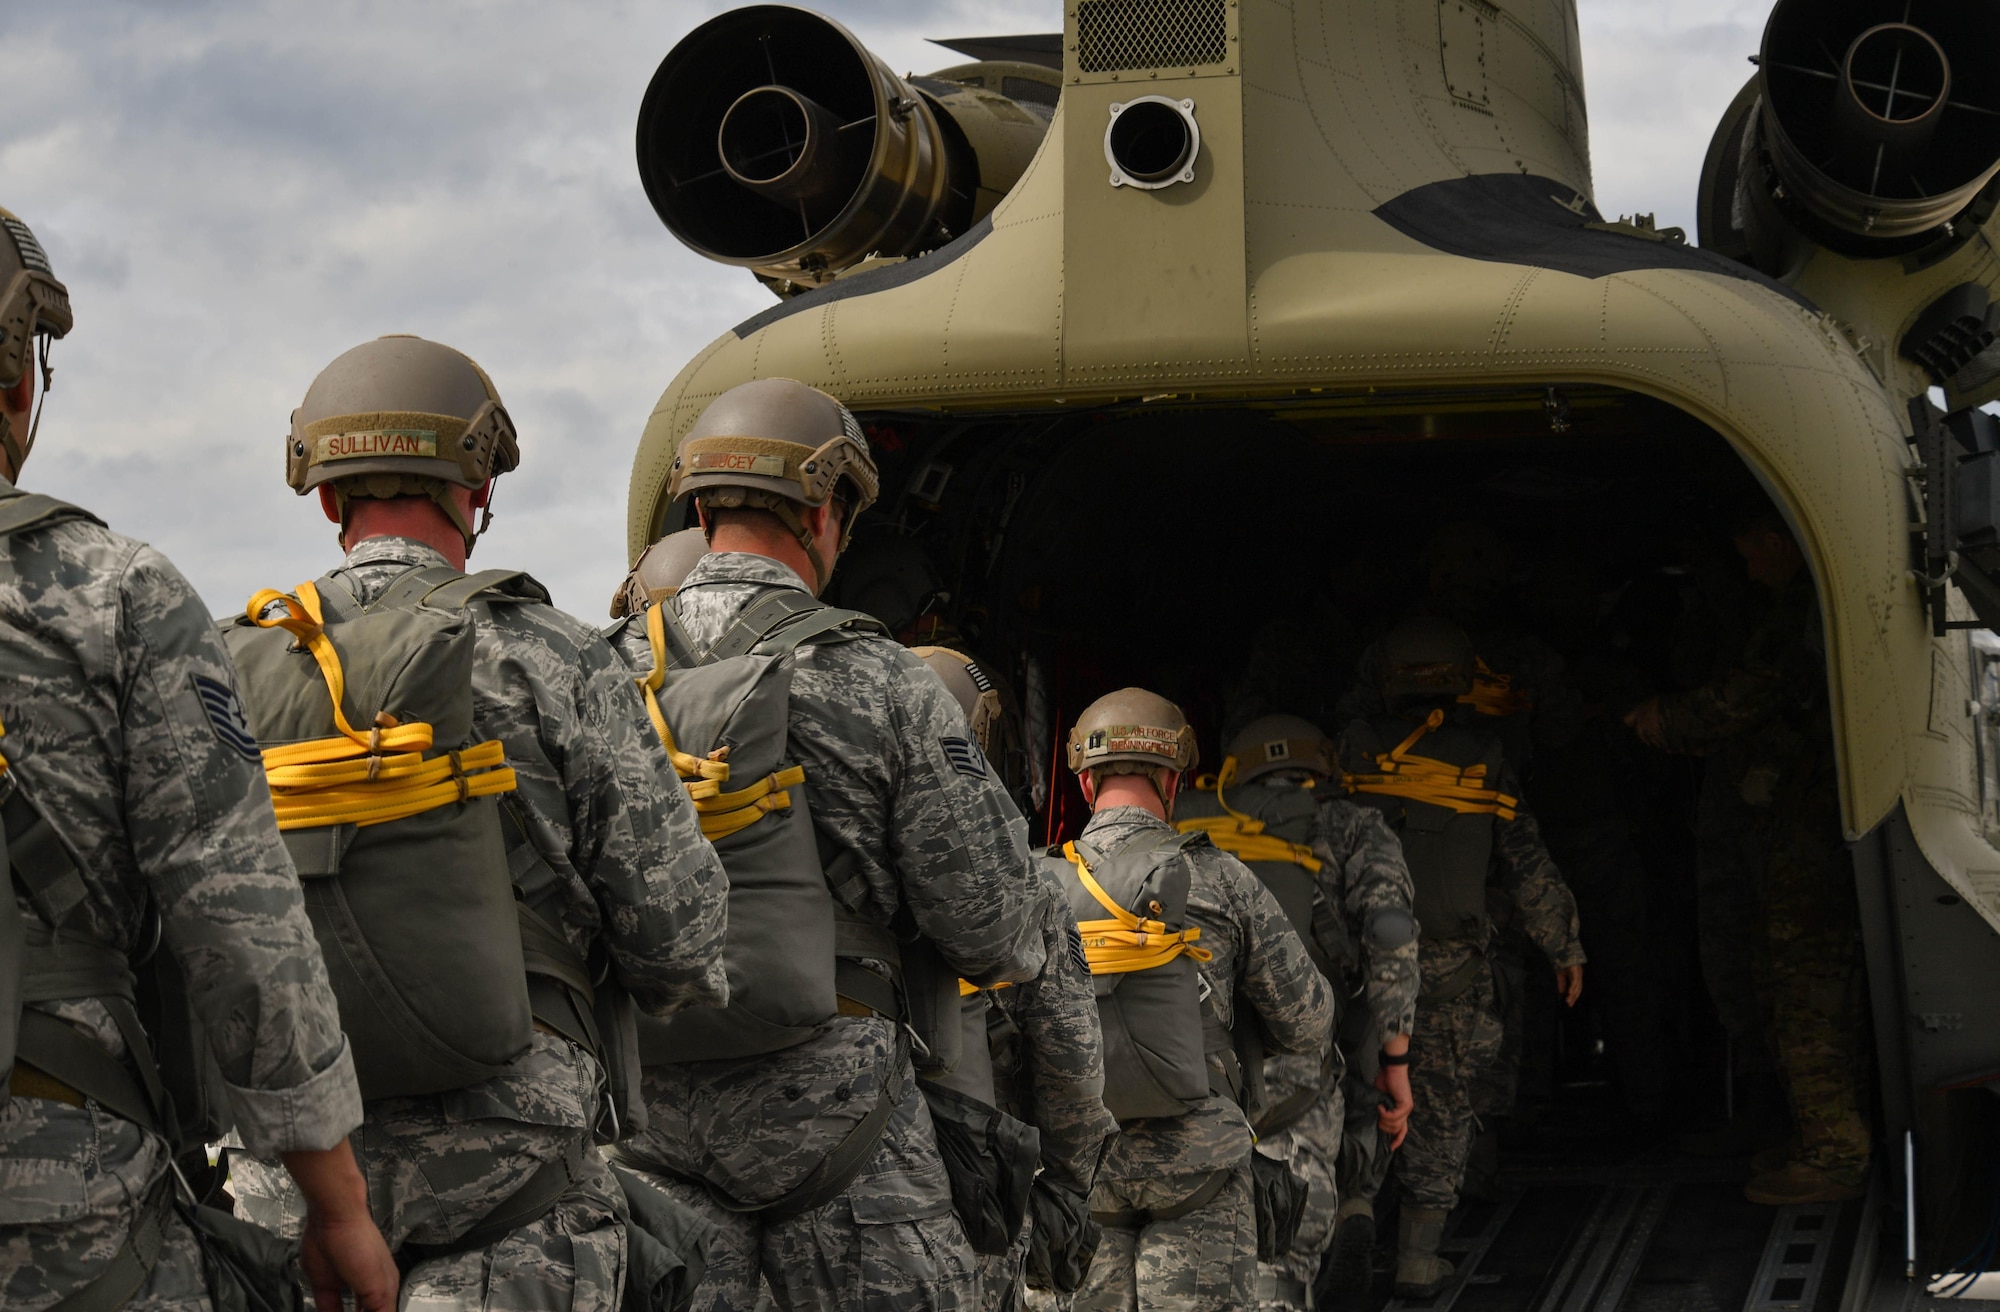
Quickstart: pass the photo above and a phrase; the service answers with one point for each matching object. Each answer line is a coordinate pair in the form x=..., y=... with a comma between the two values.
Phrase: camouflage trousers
x=1817, y=983
x=1457, y=1039
x=886, y=1245
x=1365, y=1156
x=1311, y=1146
x=1729, y=907
x=431, y=1182
x=1496, y=1084
x=71, y=1184
x=1202, y=1262
x=1003, y=1279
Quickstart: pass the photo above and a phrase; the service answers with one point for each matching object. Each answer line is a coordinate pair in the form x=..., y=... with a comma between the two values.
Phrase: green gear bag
x=972, y=1073
x=1447, y=852
x=785, y=933
x=1157, y=1033
x=416, y=917
x=1287, y=812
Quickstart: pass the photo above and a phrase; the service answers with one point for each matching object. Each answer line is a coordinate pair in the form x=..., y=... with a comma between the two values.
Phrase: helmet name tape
x=1146, y=739
x=32, y=255
x=1433, y=675
x=377, y=442
x=740, y=462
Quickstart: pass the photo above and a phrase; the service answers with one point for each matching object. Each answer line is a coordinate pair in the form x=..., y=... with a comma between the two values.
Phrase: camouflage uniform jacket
x=603, y=808
x=1059, y=1059
x=123, y=726
x=1258, y=959
x=1775, y=690
x=1528, y=874
x=1545, y=708
x=1541, y=896
x=1362, y=872
x=904, y=833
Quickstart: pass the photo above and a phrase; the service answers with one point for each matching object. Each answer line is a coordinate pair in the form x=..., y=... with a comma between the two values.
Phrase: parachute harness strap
x=1240, y=835
x=1493, y=694
x=721, y=814
x=1128, y=942
x=358, y=778
x=1463, y=789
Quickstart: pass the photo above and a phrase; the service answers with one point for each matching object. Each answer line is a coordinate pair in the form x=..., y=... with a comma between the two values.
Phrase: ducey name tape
x=741, y=462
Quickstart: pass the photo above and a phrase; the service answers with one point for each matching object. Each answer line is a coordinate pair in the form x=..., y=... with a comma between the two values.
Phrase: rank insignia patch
x=225, y=716
x=965, y=757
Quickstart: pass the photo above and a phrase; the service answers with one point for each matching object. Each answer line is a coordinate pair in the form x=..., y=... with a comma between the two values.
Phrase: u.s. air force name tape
x=377, y=442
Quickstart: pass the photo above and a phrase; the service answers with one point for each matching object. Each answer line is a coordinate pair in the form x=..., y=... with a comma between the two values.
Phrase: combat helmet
x=1426, y=658
x=401, y=416
x=659, y=572
x=34, y=308
x=893, y=578
x=969, y=685
x=775, y=444
x=1279, y=742
x=1131, y=731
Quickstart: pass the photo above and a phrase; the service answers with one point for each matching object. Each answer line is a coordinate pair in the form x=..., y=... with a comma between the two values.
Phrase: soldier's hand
x=1393, y=1116
x=343, y=1254
x=1645, y=720
x=341, y=1249
x=1569, y=984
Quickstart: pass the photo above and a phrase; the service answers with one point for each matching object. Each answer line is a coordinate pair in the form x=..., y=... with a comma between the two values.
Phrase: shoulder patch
x=965, y=757
x=225, y=716
x=1076, y=952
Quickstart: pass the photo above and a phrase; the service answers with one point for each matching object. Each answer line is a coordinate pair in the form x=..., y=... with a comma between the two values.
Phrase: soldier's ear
x=1088, y=782
x=329, y=502
x=20, y=398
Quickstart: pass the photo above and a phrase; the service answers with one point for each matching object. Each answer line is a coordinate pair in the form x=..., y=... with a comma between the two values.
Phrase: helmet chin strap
x=440, y=494
x=789, y=517
x=17, y=450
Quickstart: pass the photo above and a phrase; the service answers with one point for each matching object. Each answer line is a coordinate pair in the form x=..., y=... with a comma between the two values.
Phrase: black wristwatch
x=1396, y=1058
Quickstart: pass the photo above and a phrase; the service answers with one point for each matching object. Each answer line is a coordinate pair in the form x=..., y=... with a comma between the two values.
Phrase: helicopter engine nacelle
x=772, y=139
x=1870, y=126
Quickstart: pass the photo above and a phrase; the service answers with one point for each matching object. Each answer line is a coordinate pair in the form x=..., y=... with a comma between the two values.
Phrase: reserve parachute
x=392, y=814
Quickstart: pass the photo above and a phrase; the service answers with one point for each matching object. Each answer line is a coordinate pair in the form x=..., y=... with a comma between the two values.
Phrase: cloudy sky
x=238, y=190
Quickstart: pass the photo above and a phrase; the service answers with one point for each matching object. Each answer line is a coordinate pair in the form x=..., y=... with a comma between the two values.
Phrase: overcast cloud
x=236, y=192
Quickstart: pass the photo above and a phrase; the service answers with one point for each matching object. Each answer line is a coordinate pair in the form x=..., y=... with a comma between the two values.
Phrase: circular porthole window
x=1152, y=142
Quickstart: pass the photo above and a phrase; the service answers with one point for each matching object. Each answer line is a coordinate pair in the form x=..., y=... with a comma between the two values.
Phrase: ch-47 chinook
x=1282, y=285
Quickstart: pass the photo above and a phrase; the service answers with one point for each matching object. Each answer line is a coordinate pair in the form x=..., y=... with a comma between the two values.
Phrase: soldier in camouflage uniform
x=1130, y=751
x=1338, y=871
x=1721, y=609
x=911, y=830
x=1044, y=1062
x=639, y=883
x=1774, y=703
x=1446, y=786
x=658, y=572
x=122, y=731
x=1524, y=695
x=1048, y=1070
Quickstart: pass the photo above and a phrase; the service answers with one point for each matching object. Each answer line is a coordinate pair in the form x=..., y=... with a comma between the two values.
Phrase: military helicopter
x=1260, y=284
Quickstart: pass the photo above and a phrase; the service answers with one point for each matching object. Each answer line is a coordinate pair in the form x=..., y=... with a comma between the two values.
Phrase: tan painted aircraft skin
x=1269, y=276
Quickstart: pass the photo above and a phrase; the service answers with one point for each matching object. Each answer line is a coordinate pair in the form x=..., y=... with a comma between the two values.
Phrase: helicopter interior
x=1239, y=558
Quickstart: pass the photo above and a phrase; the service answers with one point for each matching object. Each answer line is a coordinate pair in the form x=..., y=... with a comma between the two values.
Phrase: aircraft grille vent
x=1115, y=35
